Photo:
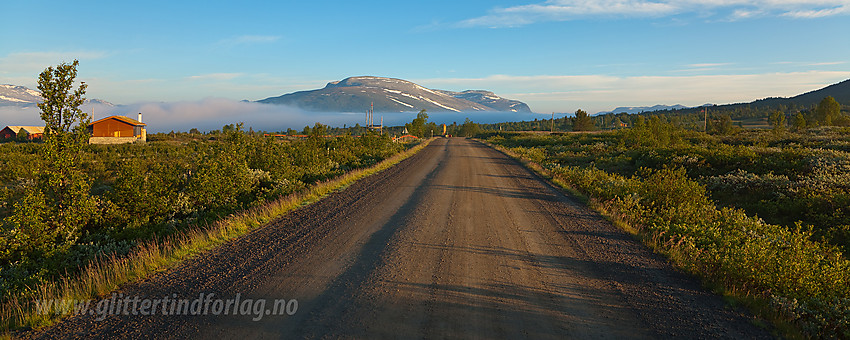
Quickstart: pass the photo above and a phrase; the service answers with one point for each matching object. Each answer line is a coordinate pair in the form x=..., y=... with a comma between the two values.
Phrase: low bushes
x=140, y=192
x=799, y=279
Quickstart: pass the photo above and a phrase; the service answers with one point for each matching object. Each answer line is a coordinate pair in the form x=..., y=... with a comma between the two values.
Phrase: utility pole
x=552, y=129
x=705, y=121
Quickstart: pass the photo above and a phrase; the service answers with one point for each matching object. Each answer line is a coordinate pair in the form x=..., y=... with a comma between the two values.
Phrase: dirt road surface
x=459, y=241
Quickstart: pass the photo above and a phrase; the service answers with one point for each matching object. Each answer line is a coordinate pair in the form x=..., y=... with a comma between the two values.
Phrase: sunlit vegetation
x=108, y=268
x=763, y=215
x=141, y=192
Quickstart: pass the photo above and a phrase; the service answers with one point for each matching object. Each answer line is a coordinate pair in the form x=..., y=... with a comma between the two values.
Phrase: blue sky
x=557, y=55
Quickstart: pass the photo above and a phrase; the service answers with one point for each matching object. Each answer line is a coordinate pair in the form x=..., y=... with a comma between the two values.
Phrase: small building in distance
x=118, y=130
x=11, y=132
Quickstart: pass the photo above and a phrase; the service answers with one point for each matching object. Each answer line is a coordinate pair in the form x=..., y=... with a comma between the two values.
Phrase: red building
x=11, y=132
x=117, y=129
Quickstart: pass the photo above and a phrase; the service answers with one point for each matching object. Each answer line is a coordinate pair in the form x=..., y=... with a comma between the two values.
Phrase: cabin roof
x=130, y=121
x=29, y=129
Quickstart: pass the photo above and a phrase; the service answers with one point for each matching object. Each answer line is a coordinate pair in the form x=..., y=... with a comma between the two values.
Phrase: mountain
x=18, y=95
x=13, y=95
x=639, y=109
x=490, y=100
x=840, y=91
x=356, y=94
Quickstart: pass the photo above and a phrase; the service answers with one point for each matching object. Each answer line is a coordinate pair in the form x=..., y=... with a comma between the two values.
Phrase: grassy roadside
x=734, y=297
x=103, y=276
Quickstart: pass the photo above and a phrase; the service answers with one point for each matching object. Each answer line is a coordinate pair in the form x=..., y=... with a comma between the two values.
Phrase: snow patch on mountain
x=12, y=94
x=2, y=97
x=22, y=96
x=441, y=105
x=401, y=102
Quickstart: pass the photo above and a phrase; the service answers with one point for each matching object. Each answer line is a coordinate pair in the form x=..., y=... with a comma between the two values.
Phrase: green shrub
x=142, y=191
x=802, y=278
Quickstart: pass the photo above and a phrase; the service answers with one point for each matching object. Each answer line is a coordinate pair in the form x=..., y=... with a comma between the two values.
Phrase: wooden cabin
x=117, y=130
x=11, y=132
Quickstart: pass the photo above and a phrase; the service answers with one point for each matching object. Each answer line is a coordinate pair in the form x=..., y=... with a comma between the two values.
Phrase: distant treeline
x=719, y=119
x=419, y=127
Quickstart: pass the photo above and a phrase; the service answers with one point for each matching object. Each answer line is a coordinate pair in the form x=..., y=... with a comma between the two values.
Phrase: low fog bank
x=213, y=113
x=20, y=116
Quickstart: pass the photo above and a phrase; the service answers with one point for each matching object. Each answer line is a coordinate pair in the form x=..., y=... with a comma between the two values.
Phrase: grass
x=105, y=275
x=753, y=123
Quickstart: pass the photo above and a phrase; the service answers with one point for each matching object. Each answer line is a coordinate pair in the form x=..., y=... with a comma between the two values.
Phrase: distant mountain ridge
x=15, y=95
x=639, y=109
x=18, y=95
x=356, y=94
x=840, y=91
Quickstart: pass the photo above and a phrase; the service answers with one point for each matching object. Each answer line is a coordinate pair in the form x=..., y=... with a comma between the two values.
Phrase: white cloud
x=817, y=13
x=563, y=10
x=559, y=10
x=741, y=14
x=828, y=63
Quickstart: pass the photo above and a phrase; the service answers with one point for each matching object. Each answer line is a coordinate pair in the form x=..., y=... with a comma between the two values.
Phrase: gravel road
x=458, y=241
